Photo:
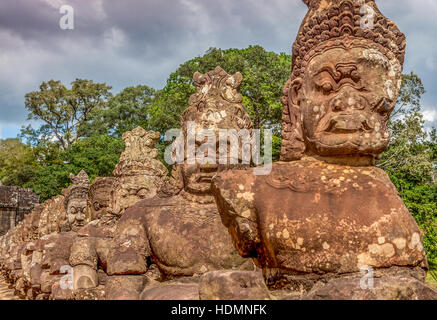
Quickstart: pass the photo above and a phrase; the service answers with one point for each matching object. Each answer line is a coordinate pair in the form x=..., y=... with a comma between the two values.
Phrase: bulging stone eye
x=96, y=206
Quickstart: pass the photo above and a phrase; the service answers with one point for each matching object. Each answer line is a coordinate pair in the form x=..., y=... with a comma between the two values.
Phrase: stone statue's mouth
x=205, y=177
x=346, y=123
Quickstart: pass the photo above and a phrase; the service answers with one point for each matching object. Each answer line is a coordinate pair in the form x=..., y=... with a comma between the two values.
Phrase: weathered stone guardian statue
x=139, y=174
x=326, y=212
x=91, y=246
x=57, y=245
x=182, y=233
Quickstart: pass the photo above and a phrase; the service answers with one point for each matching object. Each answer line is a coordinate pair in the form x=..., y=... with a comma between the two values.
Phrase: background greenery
x=81, y=128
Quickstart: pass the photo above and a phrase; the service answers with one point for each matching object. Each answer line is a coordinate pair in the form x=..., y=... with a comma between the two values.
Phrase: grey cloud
x=132, y=42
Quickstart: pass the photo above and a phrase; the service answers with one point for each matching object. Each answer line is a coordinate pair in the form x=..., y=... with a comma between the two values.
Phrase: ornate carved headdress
x=222, y=89
x=329, y=24
x=79, y=189
x=140, y=156
x=102, y=183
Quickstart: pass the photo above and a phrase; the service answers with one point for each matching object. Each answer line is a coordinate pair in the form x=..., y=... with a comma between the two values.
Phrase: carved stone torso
x=188, y=238
x=320, y=218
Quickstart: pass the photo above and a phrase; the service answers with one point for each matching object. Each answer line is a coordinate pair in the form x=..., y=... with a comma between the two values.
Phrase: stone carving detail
x=182, y=234
x=88, y=255
x=326, y=211
x=15, y=203
x=99, y=198
x=58, y=233
x=139, y=173
x=76, y=201
x=323, y=213
x=312, y=113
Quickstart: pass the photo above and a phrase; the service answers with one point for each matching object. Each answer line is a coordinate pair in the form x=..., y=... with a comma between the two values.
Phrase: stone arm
x=234, y=194
x=83, y=259
x=131, y=249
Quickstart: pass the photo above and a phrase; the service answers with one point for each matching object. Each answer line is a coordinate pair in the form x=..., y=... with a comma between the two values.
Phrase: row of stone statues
x=56, y=233
x=220, y=231
x=120, y=235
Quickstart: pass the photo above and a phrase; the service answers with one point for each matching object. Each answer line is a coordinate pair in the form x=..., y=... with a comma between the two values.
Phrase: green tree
x=63, y=111
x=408, y=154
x=410, y=159
x=17, y=162
x=97, y=155
x=125, y=111
x=264, y=75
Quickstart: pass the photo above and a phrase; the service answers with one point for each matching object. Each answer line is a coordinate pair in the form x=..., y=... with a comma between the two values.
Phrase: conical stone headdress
x=79, y=188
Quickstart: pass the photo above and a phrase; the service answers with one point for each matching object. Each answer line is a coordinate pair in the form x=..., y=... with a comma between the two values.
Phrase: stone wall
x=15, y=202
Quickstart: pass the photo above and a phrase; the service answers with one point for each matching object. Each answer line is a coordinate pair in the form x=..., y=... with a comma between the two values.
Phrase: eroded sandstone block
x=233, y=285
x=171, y=292
x=124, y=287
x=385, y=288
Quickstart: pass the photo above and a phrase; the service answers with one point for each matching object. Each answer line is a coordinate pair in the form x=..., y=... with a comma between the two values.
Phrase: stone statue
x=181, y=231
x=58, y=230
x=139, y=172
x=138, y=175
x=326, y=211
x=76, y=201
x=90, y=249
x=100, y=198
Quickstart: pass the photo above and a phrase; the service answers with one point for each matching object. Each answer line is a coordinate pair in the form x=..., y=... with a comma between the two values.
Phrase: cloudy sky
x=131, y=42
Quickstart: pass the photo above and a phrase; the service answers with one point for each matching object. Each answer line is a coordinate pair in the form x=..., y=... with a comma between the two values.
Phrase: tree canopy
x=63, y=111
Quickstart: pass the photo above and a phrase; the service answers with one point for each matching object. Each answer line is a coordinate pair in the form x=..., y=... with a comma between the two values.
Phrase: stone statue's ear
x=238, y=78
x=293, y=145
x=295, y=89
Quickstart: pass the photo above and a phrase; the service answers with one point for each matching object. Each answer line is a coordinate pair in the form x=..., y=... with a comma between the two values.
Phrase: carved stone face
x=214, y=107
x=129, y=190
x=99, y=199
x=197, y=177
x=345, y=98
x=77, y=213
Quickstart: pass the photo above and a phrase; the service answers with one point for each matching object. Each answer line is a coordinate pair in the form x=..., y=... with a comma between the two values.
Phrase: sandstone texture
x=325, y=211
x=180, y=231
x=324, y=223
x=233, y=285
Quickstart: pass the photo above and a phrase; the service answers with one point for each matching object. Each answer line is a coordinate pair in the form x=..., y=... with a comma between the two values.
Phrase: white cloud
x=114, y=38
x=430, y=115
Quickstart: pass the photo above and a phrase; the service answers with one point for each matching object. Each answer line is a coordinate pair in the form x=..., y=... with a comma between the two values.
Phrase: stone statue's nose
x=347, y=100
x=80, y=216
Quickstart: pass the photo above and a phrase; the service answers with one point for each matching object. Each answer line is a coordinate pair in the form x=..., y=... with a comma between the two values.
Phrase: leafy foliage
x=63, y=111
x=264, y=75
x=123, y=112
x=97, y=155
x=17, y=162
